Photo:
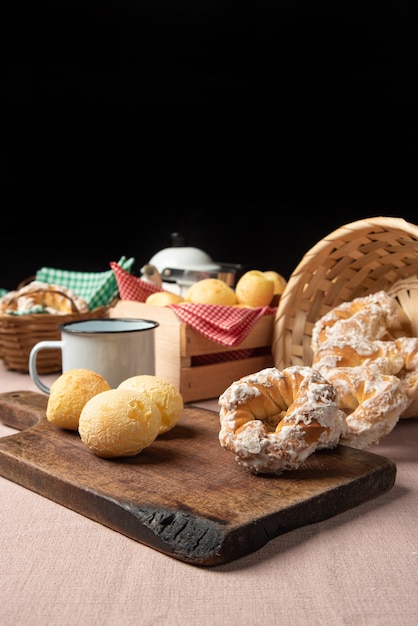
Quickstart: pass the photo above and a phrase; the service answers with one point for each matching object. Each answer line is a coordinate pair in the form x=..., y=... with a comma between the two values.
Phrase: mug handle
x=41, y=345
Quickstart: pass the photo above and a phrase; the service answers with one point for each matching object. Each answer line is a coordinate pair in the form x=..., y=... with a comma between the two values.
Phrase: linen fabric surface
x=358, y=568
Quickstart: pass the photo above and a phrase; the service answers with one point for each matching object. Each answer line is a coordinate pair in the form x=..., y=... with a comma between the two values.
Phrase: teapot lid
x=180, y=256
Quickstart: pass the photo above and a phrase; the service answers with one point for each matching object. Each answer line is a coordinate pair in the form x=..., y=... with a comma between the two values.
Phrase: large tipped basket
x=379, y=253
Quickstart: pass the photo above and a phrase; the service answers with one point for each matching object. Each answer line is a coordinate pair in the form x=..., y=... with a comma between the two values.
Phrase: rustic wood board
x=184, y=496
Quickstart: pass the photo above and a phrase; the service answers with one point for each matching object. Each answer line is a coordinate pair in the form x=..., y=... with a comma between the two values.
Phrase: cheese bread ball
x=119, y=422
x=210, y=291
x=164, y=298
x=165, y=395
x=69, y=393
x=255, y=289
x=279, y=281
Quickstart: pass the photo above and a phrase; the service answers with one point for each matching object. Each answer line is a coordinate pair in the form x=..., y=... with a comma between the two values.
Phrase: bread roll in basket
x=20, y=332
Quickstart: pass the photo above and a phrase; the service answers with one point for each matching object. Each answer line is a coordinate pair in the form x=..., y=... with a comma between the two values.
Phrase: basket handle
x=26, y=281
x=74, y=308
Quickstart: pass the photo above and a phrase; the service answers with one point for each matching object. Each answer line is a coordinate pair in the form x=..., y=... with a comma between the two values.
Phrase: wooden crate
x=177, y=345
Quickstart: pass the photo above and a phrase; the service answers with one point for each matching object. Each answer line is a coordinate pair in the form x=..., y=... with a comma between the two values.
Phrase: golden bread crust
x=119, y=423
x=68, y=395
x=165, y=395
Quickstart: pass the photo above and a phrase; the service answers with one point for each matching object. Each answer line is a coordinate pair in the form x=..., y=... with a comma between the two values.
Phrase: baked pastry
x=164, y=298
x=408, y=375
x=376, y=316
x=165, y=395
x=118, y=423
x=254, y=289
x=68, y=395
x=372, y=402
x=210, y=291
x=354, y=351
x=36, y=295
x=279, y=281
x=274, y=420
x=358, y=347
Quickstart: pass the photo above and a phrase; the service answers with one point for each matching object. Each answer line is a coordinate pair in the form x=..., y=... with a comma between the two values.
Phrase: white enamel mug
x=115, y=348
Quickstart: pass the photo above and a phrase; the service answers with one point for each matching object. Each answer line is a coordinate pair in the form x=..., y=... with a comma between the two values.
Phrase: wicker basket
x=379, y=253
x=19, y=333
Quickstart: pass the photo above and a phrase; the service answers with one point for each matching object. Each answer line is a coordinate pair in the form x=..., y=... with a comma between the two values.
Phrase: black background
x=254, y=128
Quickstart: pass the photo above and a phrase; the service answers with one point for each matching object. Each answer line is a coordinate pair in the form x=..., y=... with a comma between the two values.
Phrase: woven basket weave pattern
x=355, y=260
x=19, y=333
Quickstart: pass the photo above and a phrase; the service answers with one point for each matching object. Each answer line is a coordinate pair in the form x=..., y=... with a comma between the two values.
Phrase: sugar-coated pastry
x=274, y=420
x=359, y=347
x=375, y=316
x=408, y=375
x=354, y=351
x=372, y=401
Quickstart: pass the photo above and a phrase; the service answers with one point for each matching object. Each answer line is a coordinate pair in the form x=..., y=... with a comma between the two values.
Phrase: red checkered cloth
x=225, y=325
x=131, y=287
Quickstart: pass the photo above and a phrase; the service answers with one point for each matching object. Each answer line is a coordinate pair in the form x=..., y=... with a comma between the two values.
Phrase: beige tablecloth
x=359, y=568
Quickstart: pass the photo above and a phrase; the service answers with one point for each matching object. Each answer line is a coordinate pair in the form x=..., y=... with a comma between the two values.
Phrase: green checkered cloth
x=3, y=292
x=96, y=288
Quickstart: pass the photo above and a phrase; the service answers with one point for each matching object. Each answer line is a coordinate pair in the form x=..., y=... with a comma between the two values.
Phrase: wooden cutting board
x=185, y=495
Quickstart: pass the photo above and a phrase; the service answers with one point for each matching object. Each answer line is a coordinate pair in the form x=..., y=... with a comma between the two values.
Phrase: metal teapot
x=180, y=265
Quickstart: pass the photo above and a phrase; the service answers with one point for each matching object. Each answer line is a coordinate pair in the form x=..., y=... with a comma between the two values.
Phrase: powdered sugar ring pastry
x=372, y=401
x=53, y=299
x=408, y=375
x=366, y=375
x=369, y=334
x=354, y=351
x=274, y=420
x=377, y=316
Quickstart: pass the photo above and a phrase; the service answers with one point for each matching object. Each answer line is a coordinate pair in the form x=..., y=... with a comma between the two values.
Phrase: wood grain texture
x=184, y=496
x=177, y=345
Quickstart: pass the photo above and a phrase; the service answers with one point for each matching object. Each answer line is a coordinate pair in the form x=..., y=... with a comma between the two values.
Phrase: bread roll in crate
x=358, y=259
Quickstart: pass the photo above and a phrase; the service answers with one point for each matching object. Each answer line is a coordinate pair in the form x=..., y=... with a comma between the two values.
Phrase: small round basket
x=19, y=333
x=360, y=258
